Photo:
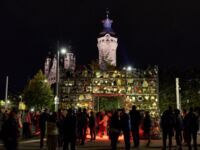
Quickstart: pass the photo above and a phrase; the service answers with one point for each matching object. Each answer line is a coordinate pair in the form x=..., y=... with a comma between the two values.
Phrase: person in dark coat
x=60, y=120
x=52, y=132
x=125, y=126
x=167, y=126
x=92, y=126
x=10, y=132
x=42, y=123
x=2, y=119
x=191, y=126
x=135, y=123
x=147, y=124
x=69, y=130
x=26, y=125
x=115, y=129
x=178, y=128
x=184, y=113
x=84, y=125
x=79, y=125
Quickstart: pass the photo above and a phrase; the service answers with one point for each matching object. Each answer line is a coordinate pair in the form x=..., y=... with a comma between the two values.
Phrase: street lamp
x=56, y=99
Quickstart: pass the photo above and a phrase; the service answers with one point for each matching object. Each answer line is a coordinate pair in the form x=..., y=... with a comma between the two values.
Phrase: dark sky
x=161, y=32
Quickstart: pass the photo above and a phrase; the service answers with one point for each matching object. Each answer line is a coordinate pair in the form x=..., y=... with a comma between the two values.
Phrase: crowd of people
x=183, y=125
x=67, y=128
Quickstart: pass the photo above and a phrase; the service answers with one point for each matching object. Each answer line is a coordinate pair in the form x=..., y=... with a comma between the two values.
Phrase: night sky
x=158, y=32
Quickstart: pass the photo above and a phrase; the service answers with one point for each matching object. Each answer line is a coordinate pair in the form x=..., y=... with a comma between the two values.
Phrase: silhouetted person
x=184, y=113
x=10, y=132
x=2, y=119
x=52, y=132
x=125, y=126
x=115, y=128
x=42, y=123
x=167, y=125
x=147, y=124
x=69, y=131
x=26, y=124
x=60, y=121
x=178, y=128
x=191, y=126
x=79, y=125
x=84, y=125
x=92, y=126
x=135, y=123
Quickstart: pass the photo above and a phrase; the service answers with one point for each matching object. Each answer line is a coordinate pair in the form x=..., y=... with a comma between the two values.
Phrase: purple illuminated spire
x=107, y=24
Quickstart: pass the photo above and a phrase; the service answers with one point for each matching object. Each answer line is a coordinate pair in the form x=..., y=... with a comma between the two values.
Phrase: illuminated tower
x=69, y=61
x=47, y=66
x=107, y=44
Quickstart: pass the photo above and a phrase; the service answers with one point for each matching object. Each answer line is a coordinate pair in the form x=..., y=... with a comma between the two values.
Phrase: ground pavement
x=99, y=144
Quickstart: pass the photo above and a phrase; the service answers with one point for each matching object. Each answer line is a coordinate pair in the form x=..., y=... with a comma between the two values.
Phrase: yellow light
x=154, y=104
x=81, y=97
x=22, y=106
x=2, y=103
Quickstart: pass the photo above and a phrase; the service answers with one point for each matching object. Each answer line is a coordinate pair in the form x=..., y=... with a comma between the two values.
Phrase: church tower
x=69, y=61
x=107, y=44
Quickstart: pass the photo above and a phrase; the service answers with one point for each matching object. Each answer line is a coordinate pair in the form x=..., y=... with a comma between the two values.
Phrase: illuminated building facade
x=83, y=88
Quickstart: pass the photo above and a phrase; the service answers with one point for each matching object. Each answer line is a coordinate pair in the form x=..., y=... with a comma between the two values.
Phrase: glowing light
x=129, y=68
x=63, y=50
x=2, y=103
x=56, y=100
x=32, y=109
x=81, y=97
x=133, y=99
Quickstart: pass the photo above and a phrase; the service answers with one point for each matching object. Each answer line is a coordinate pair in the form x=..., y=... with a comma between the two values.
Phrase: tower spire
x=107, y=13
x=107, y=23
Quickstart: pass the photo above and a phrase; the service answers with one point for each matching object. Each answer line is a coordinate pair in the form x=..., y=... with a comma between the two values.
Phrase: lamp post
x=6, y=93
x=56, y=99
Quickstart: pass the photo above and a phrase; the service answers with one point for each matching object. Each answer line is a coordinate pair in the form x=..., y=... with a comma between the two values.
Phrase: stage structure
x=135, y=87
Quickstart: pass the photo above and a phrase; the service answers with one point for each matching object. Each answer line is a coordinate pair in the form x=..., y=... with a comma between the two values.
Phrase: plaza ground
x=99, y=144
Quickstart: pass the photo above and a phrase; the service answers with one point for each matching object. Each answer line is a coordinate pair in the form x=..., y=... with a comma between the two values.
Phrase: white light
x=56, y=100
x=63, y=50
x=124, y=68
x=32, y=109
x=129, y=68
x=8, y=102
